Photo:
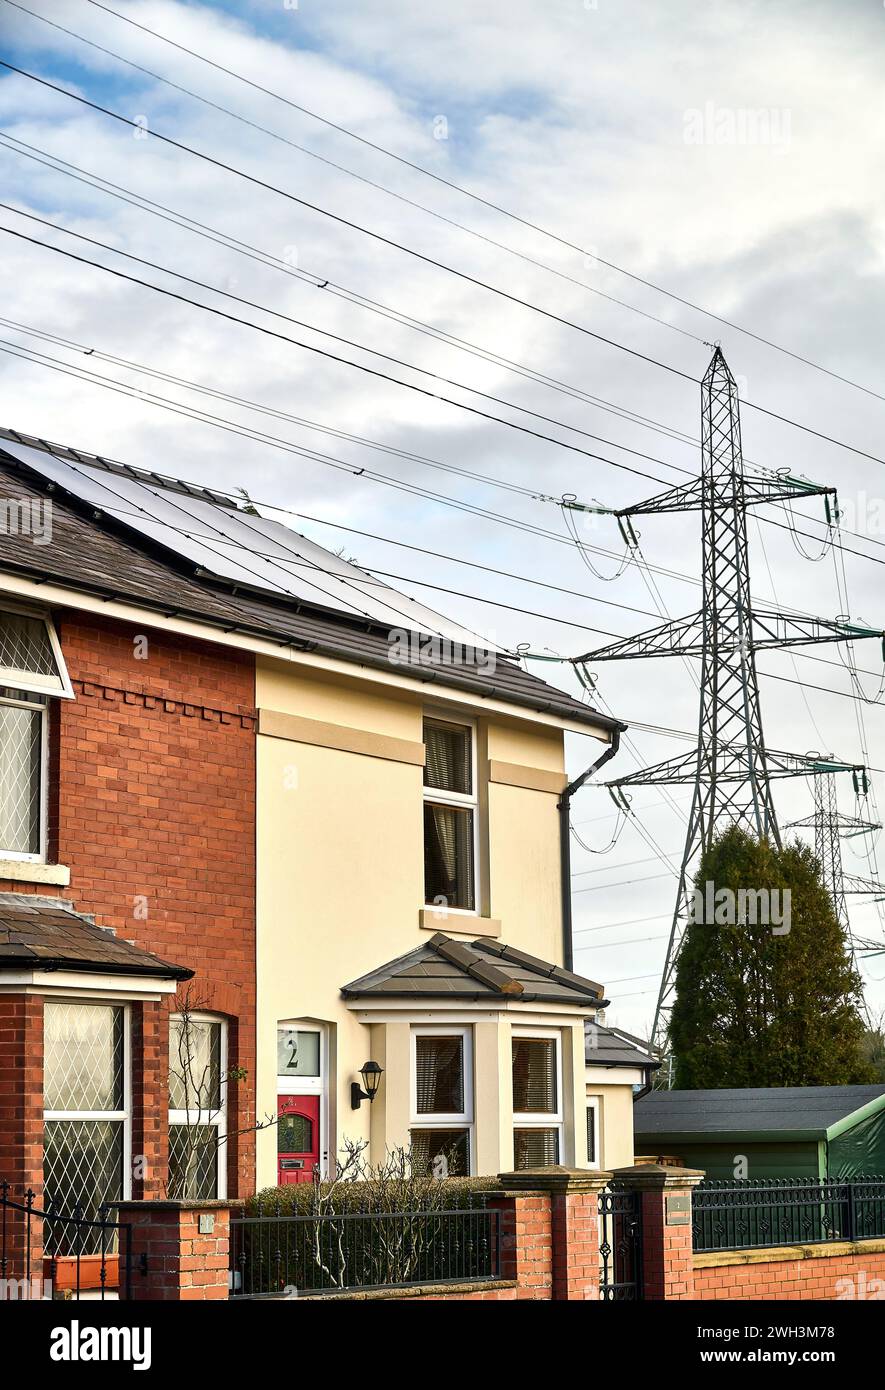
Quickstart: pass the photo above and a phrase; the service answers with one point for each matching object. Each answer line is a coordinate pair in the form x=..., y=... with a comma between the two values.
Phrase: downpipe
x=563, y=806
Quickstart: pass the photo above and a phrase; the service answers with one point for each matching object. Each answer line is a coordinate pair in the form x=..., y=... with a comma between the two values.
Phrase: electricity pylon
x=831, y=826
x=731, y=769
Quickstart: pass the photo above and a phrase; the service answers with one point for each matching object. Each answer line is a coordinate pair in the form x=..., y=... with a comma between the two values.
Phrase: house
x=781, y=1132
x=268, y=823
x=618, y=1068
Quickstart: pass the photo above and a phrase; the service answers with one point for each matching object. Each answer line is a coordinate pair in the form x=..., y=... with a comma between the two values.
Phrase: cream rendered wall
x=340, y=886
x=616, y=1123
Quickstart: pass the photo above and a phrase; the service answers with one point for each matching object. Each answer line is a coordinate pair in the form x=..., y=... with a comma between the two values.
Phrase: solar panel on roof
x=228, y=543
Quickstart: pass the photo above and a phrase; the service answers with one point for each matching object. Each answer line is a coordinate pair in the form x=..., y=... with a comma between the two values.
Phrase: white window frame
x=59, y=685
x=461, y=800
x=594, y=1103
x=217, y=1119
x=124, y=1115
x=40, y=706
x=543, y=1119
x=462, y=1120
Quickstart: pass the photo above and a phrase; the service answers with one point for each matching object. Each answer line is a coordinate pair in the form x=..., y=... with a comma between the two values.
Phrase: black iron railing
x=277, y=1253
x=56, y=1250
x=746, y=1213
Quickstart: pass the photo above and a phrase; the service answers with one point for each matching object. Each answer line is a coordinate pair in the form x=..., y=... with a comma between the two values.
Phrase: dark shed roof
x=793, y=1112
x=39, y=933
x=94, y=552
x=482, y=969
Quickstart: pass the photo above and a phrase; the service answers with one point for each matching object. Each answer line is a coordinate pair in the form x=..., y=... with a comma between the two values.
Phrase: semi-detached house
x=248, y=798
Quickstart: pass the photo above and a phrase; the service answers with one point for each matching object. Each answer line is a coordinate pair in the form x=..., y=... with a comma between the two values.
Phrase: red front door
x=298, y=1138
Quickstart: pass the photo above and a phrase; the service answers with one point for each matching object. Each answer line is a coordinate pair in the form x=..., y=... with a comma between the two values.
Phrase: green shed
x=781, y=1132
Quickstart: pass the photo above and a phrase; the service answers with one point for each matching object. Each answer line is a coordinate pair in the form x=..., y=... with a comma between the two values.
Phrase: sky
x=730, y=154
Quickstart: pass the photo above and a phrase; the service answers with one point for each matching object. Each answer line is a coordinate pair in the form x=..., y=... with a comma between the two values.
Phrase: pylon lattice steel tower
x=831, y=826
x=731, y=769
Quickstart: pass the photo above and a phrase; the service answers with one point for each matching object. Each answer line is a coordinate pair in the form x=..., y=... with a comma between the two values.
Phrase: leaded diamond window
x=30, y=655
x=84, y=1052
x=22, y=741
x=193, y=1162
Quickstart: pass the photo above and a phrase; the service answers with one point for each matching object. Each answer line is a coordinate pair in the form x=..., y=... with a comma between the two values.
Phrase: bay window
x=537, y=1100
x=86, y=1107
x=450, y=815
x=442, y=1101
x=197, y=1106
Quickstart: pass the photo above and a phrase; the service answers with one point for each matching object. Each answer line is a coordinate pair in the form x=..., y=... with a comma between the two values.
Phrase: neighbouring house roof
x=141, y=538
x=788, y=1112
x=609, y=1047
x=47, y=934
x=482, y=969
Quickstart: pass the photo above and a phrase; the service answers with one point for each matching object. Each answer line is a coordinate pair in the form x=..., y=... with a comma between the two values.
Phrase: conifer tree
x=765, y=1003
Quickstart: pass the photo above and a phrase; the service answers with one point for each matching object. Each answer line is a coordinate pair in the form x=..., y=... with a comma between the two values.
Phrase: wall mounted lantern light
x=371, y=1074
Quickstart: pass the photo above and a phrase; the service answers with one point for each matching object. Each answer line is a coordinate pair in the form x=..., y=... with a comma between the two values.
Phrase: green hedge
x=430, y=1194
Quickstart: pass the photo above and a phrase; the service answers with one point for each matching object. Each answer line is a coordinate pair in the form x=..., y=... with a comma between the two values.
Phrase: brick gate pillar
x=667, y=1259
x=573, y=1194
x=180, y=1250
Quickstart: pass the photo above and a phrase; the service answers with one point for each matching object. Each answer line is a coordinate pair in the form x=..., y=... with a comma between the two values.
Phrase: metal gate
x=620, y=1247
x=56, y=1253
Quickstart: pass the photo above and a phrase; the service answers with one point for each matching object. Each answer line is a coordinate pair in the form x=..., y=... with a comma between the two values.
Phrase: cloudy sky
x=730, y=154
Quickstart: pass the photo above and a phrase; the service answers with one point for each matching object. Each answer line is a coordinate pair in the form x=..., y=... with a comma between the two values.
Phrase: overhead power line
x=311, y=347
x=360, y=178
x=229, y=426
x=338, y=290
x=485, y=202
x=80, y=373
x=421, y=256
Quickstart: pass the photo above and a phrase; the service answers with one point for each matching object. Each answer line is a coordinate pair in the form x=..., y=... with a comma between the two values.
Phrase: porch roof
x=478, y=970
x=610, y=1047
x=47, y=934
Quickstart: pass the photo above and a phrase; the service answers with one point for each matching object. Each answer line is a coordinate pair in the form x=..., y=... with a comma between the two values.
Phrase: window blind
x=534, y=1076
x=439, y=1075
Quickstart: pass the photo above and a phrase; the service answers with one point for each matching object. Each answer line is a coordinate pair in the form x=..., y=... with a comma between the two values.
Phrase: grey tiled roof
x=47, y=934
x=481, y=969
x=103, y=555
x=607, y=1047
x=778, y=1109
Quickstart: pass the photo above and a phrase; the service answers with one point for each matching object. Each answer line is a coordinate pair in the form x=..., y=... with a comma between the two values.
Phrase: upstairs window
x=450, y=815
x=23, y=753
x=30, y=656
x=31, y=670
x=537, y=1104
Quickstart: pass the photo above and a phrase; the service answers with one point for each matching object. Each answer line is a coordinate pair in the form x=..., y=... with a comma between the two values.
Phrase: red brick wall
x=21, y=1093
x=182, y=1265
x=154, y=763
x=858, y=1275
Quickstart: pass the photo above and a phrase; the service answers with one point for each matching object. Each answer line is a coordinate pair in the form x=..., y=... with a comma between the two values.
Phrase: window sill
x=26, y=871
x=463, y=923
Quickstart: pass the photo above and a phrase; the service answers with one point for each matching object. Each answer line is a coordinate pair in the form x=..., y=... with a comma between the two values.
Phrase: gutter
x=563, y=806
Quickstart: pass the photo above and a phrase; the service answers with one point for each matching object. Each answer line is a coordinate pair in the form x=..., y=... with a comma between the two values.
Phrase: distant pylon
x=731, y=768
x=831, y=826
